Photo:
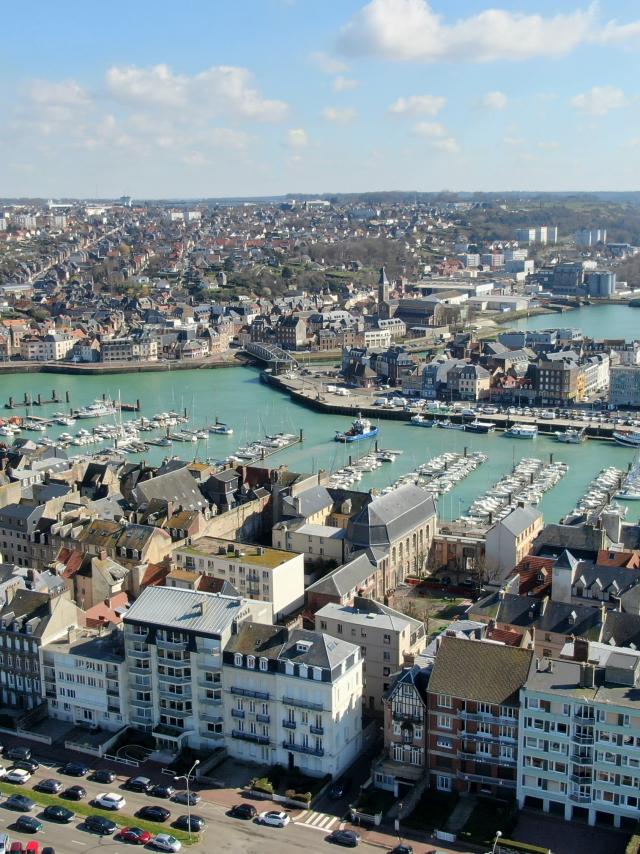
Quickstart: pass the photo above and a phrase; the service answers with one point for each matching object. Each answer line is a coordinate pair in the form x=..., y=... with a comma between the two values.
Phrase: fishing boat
x=522, y=431
x=480, y=426
x=449, y=425
x=570, y=436
x=630, y=438
x=421, y=421
x=221, y=429
x=360, y=429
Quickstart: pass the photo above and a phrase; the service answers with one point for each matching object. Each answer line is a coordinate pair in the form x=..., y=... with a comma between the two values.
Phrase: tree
x=287, y=273
x=229, y=265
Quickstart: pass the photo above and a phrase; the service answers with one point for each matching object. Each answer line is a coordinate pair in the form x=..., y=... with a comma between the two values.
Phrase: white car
x=274, y=818
x=110, y=801
x=3, y=771
x=165, y=842
x=17, y=775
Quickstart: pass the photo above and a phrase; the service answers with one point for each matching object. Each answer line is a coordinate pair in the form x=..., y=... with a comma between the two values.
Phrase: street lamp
x=187, y=777
x=495, y=841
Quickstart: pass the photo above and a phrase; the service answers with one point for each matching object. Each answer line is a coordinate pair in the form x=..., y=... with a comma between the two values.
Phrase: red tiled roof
x=154, y=575
x=507, y=636
x=529, y=568
x=630, y=560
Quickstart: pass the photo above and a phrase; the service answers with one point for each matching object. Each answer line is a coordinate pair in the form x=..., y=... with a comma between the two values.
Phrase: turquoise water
x=601, y=321
x=237, y=396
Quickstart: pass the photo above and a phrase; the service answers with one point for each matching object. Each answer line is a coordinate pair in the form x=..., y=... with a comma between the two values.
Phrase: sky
x=205, y=98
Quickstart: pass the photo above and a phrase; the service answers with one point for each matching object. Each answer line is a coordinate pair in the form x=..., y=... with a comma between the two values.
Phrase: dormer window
x=237, y=659
x=289, y=668
x=303, y=671
x=251, y=662
x=264, y=664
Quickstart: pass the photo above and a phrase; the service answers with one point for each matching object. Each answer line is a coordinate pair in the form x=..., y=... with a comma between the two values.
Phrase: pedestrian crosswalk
x=319, y=821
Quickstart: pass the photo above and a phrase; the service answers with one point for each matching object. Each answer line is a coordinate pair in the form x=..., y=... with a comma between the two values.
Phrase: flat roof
x=262, y=556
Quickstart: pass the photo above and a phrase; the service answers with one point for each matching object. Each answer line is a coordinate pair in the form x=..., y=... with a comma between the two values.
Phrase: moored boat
x=361, y=429
x=522, y=431
x=480, y=426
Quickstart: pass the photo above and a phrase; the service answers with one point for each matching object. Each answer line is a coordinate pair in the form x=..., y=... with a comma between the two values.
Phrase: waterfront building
x=579, y=743
x=84, y=679
x=265, y=574
x=624, y=385
x=174, y=640
x=510, y=539
x=292, y=697
x=385, y=637
x=320, y=544
x=473, y=709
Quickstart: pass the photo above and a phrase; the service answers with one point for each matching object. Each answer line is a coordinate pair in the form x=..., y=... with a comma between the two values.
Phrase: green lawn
x=82, y=809
x=373, y=801
x=432, y=811
x=487, y=818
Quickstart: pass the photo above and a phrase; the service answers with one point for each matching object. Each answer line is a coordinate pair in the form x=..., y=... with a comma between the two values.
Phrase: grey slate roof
x=280, y=643
x=308, y=502
x=519, y=519
x=177, y=486
x=389, y=517
x=345, y=578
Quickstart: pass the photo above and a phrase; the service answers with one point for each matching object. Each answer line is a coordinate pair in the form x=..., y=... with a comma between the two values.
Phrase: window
x=264, y=664
x=443, y=783
x=445, y=701
x=251, y=662
x=237, y=659
x=444, y=721
x=387, y=639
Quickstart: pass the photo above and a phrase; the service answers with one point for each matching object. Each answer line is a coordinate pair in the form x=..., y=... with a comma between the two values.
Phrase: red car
x=136, y=835
x=33, y=847
x=16, y=847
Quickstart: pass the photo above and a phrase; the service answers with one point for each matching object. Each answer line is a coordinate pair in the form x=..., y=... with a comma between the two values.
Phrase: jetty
x=37, y=400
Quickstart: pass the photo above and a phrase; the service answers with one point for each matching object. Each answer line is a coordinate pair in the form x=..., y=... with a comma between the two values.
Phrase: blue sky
x=257, y=97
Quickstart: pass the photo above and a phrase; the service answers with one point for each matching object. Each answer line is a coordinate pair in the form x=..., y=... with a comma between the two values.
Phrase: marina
x=609, y=482
x=440, y=474
x=251, y=408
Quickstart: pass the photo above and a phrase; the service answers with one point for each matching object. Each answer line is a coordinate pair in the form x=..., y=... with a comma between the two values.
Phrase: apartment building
x=624, y=385
x=385, y=637
x=559, y=379
x=473, y=707
x=264, y=574
x=27, y=623
x=510, y=539
x=19, y=532
x=292, y=698
x=579, y=747
x=318, y=543
x=84, y=679
x=173, y=649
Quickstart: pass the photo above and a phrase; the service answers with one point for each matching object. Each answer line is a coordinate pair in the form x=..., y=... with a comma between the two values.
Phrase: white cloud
x=412, y=30
x=495, y=100
x=66, y=93
x=599, y=100
x=438, y=136
x=339, y=115
x=297, y=138
x=328, y=64
x=219, y=89
x=548, y=145
x=343, y=84
x=514, y=141
x=418, y=105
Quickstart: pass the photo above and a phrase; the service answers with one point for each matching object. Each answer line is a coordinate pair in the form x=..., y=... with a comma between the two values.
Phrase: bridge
x=274, y=357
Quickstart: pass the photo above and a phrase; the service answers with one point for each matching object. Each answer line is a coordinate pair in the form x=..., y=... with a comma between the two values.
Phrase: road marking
x=77, y=842
x=319, y=821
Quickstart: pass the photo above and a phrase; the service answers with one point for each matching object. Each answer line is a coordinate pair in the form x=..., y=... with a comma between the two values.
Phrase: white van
x=5, y=843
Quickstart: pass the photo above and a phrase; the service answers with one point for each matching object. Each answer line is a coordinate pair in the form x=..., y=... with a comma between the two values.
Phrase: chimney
x=581, y=650
x=102, y=554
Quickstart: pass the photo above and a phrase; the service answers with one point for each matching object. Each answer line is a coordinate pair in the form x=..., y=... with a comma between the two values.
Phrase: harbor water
x=596, y=321
x=253, y=409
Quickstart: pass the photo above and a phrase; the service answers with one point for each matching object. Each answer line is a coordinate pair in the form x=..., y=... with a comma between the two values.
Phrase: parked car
x=74, y=769
x=109, y=801
x=61, y=815
x=243, y=811
x=49, y=785
x=33, y=847
x=348, y=838
x=139, y=784
x=74, y=793
x=166, y=842
x=16, y=847
x=21, y=803
x=339, y=788
x=402, y=849
x=29, y=765
x=48, y=850
x=191, y=799
x=274, y=818
x=19, y=752
x=100, y=824
x=103, y=775
x=18, y=776
x=163, y=791
x=153, y=813
x=28, y=824
x=135, y=835
x=192, y=823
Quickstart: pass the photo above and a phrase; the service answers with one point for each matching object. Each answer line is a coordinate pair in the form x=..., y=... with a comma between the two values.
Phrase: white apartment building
x=84, y=679
x=293, y=698
x=579, y=750
x=173, y=649
x=384, y=637
x=375, y=338
x=624, y=385
x=50, y=348
x=263, y=574
x=317, y=543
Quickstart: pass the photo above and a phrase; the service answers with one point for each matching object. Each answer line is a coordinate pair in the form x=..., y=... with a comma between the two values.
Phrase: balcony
x=140, y=668
x=243, y=692
x=303, y=704
x=176, y=713
x=577, y=798
x=289, y=724
x=141, y=704
x=115, y=709
x=142, y=654
x=144, y=720
x=173, y=695
x=238, y=713
x=412, y=717
x=210, y=701
x=171, y=644
x=300, y=748
x=581, y=779
x=263, y=719
x=490, y=781
x=113, y=692
x=250, y=736
x=582, y=739
x=580, y=759
x=174, y=680
x=316, y=730
x=209, y=717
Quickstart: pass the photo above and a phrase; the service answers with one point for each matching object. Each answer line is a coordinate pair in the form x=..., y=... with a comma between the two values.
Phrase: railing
x=303, y=704
x=250, y=736
x=580, y=779
x=237, y=713
x=493, y=781
x=141, y=704
x=243, y=692
x=300, y=748
x=580, y=799
x=263, y=719
x=174, y=680
x=289, y=724
x=582, y=739
x=211, y=718
x=409, y=716
x=113, y=692
x=211, y=701
x=579, y=759
x=316, y=730
x=167, y=644
x=139, y=653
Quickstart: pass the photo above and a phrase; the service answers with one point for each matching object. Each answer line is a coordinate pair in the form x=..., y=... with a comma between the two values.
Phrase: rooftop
x=262, y=556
